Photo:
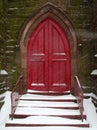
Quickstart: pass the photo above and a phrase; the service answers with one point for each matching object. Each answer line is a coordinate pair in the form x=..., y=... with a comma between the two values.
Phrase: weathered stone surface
x=13, y=14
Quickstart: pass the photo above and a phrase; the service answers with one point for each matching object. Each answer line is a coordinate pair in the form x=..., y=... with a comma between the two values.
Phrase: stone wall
x=13, y=14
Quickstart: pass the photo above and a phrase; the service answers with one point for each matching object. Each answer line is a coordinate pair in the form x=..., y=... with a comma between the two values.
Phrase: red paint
x=48, y=58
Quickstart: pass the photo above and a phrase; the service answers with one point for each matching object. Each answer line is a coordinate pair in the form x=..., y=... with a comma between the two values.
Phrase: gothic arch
x=49, y=10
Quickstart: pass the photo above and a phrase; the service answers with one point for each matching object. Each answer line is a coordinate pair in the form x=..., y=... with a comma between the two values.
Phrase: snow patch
x=2, y=95
x=95, y=55
x=90, y=112
x=46, y=120
x=6, y=108
x=94, y=72
x=94, y=96
x=3, y=72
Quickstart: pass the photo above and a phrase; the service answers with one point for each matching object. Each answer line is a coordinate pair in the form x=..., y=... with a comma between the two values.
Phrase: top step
x=29, y=96
x=51, y=93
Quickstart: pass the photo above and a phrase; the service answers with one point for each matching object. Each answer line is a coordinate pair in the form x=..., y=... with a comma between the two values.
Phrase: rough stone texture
x=14, y=13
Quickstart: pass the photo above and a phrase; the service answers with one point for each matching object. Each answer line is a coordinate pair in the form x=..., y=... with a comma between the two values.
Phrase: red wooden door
x=48, y=58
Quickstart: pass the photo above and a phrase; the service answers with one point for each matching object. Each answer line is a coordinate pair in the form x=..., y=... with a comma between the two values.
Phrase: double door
x=48, y=58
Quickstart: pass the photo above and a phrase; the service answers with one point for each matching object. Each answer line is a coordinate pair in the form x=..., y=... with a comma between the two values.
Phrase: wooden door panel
x=60, y=58
x=37, y=76
x=37, y=60
x=59, y=75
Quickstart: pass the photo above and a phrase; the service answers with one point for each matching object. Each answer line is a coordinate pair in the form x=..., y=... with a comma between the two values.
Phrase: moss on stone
x=13, y=14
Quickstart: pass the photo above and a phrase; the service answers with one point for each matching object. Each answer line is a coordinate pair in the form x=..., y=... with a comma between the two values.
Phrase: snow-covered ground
x=89, y=110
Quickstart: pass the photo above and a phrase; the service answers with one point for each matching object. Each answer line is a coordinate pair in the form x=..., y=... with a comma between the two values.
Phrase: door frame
x=48, y=10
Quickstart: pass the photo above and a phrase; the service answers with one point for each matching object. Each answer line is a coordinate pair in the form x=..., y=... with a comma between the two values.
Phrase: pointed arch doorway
x=48, y=58
x=48, y=49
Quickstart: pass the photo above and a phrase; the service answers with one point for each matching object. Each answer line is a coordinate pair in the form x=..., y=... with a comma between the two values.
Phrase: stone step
x=52, y=100
x=46, y=121
x=47, y=110
x=51, y=97
x=48, y=104
x=37, y=125
x=50, y=93
x=20, y=116
x=71, y=107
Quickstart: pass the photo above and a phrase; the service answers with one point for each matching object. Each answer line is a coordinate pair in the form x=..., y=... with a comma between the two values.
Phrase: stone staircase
x=42, y=109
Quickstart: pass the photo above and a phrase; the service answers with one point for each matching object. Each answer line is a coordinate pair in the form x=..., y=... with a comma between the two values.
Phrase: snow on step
x=46, y=120
x=33, y=96
x=35, y=107
x=36, y=91
x=45, y=111
x=39, y=110
x=46, y=104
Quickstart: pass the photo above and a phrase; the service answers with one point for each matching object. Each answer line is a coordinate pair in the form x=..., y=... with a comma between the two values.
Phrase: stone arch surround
x=48, y=10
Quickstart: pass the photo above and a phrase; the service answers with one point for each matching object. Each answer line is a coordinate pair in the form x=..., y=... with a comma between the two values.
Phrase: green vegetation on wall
x=14, y=13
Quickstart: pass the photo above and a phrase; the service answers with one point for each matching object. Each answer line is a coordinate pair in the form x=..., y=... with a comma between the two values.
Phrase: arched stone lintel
x=48, y=10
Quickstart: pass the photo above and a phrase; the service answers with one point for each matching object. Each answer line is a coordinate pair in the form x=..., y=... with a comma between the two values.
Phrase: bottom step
x=46, y=121
x=35, y=125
